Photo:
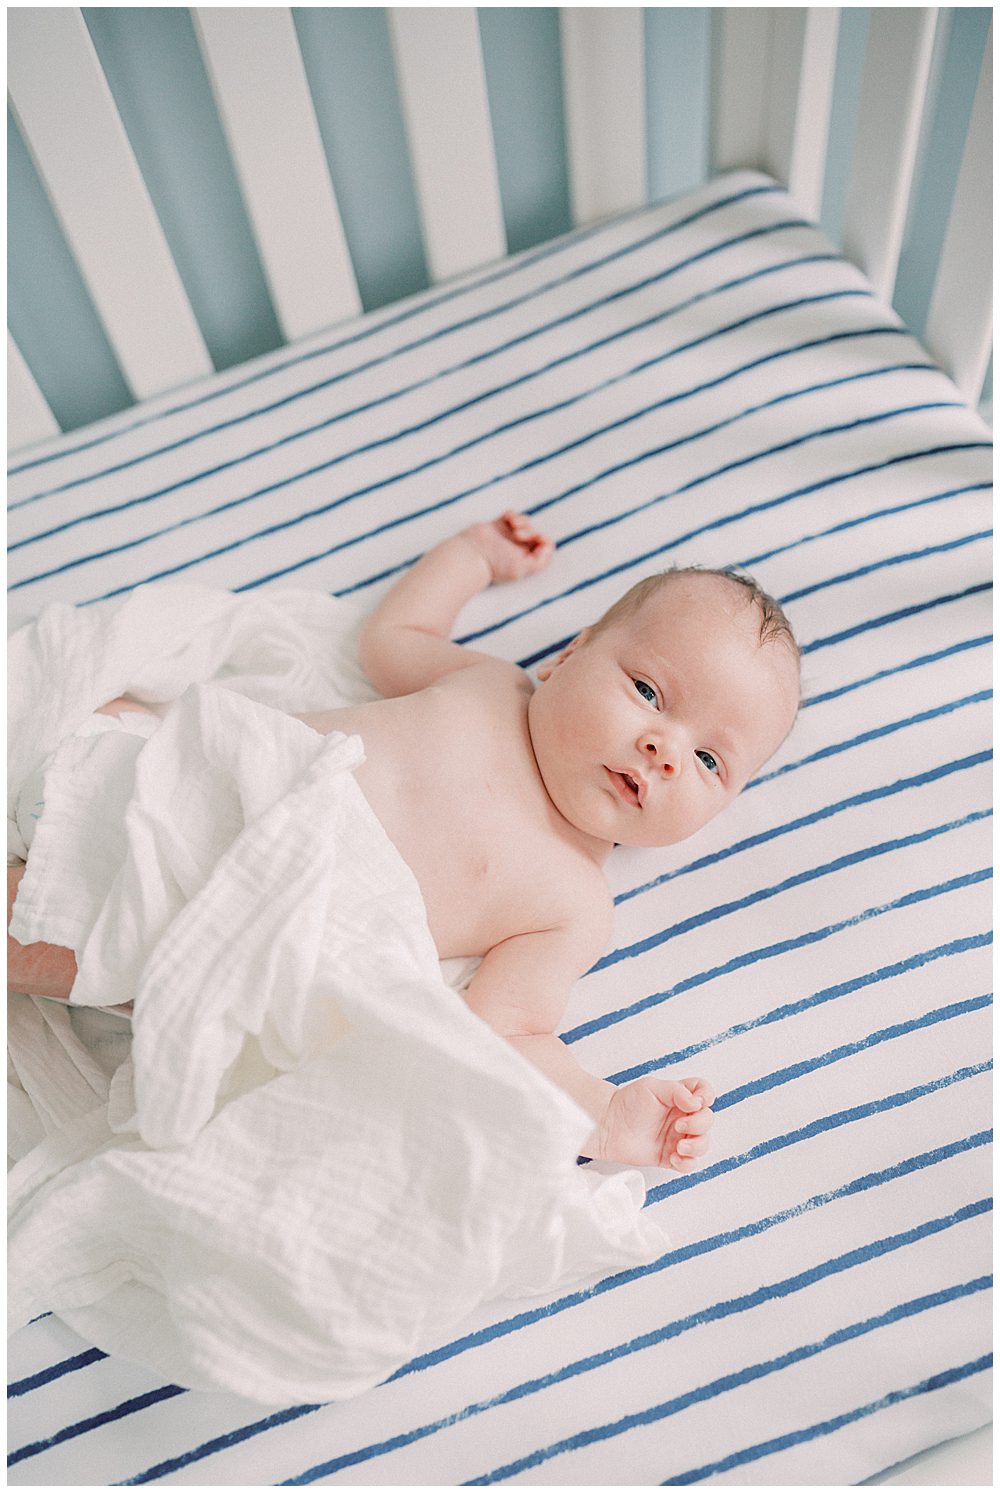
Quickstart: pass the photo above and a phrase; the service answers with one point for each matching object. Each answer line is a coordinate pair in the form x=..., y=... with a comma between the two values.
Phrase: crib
x=705, y=285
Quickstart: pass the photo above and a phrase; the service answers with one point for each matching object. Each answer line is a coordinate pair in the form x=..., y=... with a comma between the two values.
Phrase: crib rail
x=771, y=103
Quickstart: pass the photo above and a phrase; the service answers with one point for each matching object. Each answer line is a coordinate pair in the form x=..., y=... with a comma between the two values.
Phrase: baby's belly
x=471, y=894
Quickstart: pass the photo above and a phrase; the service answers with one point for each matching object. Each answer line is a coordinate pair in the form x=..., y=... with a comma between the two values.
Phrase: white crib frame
x=775, y=117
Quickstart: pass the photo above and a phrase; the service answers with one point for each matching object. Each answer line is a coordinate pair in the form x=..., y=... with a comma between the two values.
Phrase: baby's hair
x=774, y=625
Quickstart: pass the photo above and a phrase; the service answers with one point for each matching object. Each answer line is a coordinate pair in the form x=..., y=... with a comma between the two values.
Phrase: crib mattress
x=705, y=381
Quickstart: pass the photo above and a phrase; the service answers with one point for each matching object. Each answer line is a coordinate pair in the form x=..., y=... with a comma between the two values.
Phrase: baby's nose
x=665, y=760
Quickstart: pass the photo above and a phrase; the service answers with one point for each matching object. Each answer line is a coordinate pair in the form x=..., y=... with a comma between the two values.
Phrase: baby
x=505, y=798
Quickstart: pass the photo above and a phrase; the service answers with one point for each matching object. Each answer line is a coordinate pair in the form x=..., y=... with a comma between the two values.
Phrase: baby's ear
x=545, y=671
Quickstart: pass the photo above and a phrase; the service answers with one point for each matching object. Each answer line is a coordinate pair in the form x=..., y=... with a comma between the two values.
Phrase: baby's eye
x=708, y=760
x=646, y=690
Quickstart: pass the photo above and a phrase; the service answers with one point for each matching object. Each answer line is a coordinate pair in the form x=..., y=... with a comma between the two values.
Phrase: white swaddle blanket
x=316, y=1155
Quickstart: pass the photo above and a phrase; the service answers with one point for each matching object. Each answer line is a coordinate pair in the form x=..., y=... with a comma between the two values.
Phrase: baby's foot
x=36, y=968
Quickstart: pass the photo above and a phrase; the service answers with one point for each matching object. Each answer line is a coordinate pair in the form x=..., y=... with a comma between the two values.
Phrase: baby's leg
x=36, y=968
x=123, y=706
x=42, y=968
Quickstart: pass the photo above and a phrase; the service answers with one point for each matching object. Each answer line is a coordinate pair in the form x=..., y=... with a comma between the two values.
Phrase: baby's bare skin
x=505, y=798
x=451, y=775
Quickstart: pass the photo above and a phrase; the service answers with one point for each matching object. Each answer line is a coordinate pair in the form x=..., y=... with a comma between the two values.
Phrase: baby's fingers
x=523, y=532
x=701, y=1089
x=696, y=1124
x=693, y=1147
x=682, y=1098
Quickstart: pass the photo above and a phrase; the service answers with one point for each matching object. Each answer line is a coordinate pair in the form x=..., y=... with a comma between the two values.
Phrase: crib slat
x=29, y=418
x=442, y=88
x=897, y=67
x=803, y=62
x=742, y=49
x=959, y=322
x=68, y=118
x=255, y=67
x=603, y=57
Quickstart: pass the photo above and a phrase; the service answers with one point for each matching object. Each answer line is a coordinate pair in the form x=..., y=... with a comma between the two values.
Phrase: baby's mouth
x=627, y=787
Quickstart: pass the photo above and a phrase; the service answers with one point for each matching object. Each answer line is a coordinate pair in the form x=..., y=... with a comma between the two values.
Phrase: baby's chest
x=486, y=867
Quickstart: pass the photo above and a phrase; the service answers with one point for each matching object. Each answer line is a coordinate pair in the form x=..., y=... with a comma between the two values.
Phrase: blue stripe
x=837, y=1423
x=862, y=518
x=726, y=1382
x=770, y=951
x=807, y=1003
x=793, y=1071
x=481, y=357
x=92, y=1422
x=444, y=414
x=54, y=1371
x=437, y=460
x=877, y=732
x=428, y=301
x=932, y=775
x=717, y=1241
x=900, y=559
x=897, y=616
x=720, y=1311
x=764, y=894
x=914, y=663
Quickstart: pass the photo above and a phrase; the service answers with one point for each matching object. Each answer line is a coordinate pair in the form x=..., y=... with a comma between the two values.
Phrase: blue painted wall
x=155, y=72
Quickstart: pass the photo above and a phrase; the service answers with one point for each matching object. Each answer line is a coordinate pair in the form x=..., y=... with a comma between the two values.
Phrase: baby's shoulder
x=495, y=683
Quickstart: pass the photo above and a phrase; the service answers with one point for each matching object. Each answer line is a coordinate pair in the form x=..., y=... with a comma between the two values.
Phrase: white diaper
x=30, y=801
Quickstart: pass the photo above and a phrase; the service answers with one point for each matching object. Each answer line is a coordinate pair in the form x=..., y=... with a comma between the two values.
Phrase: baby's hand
x=658, y=1122
x=511, y=546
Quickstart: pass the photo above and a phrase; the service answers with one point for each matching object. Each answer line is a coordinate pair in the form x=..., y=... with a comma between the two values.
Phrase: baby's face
x=649, y=728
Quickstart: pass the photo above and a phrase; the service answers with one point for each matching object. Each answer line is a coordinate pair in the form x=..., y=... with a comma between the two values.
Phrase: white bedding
x=706, y=382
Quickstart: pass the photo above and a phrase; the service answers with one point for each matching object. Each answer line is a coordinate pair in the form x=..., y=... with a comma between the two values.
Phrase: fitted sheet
x=706, y=382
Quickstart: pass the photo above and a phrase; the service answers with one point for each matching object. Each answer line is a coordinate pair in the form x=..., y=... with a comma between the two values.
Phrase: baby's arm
x=404, y=644
x=520, y=989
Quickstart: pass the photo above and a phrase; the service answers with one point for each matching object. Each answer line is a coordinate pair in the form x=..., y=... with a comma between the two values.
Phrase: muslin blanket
x=313, y=1156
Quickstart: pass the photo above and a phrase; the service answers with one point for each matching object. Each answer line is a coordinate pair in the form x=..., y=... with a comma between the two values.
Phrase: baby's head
x=655, y=717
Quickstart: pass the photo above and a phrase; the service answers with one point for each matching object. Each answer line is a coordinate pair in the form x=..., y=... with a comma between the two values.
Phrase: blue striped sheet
x=423, y=304
x=467, y=404
x=92, y=1422
x=413, y=387
x=807, y=1003
x=732, y=1381
x=828, y=940
x=441, y=504
x=756, y=956
x=448, y=455
x=825, y=1428
x=828, y=868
